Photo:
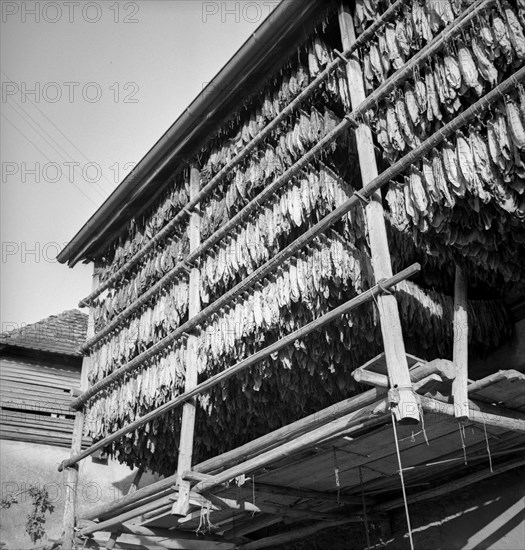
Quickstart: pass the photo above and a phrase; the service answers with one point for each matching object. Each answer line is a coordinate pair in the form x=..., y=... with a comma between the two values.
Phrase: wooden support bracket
x=182, y=506
x=404, y=404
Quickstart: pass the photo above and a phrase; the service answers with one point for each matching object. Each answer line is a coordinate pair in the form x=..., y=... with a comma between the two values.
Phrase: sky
x=87, y=89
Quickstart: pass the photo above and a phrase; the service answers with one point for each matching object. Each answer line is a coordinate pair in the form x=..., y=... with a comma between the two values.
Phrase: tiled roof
x=63, y=333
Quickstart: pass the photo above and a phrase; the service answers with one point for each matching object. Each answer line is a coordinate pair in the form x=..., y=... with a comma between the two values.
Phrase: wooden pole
x=290, y=536
x=473, y=112
x=451, y=486
x=245, y=151
x=406, y=409
x=259, y=445
x=370, y=416
x=460, y=346
x=249, y=361
x=70, y=503
x=381, y=381
x=400, y=76
x=269, y=191
x=248, y=450
x=250, y=525
x=479, y=413
x=189, y=409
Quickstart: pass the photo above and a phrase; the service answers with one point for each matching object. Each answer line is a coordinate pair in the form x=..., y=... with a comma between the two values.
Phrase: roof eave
x=277, y=32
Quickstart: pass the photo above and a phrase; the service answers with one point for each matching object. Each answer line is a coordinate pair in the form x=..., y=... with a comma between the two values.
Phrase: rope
x=365, y=516
x=488, y=446
x=422, y=416
x=462, y=435
x=402, y=482
x=253, y=494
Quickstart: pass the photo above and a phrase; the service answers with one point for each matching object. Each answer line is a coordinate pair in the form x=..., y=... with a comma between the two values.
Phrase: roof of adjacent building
x=63, y=334
x=261, y=55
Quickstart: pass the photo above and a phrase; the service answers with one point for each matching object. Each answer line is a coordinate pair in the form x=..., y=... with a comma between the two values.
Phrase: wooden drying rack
x=406, y=408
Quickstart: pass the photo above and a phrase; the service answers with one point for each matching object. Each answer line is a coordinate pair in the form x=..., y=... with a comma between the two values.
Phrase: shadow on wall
x=487, y=516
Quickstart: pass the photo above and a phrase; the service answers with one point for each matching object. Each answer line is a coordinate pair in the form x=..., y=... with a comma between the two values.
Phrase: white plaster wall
x=23, y=464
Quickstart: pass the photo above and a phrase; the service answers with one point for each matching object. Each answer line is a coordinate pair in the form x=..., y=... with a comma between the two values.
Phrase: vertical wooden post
x=407, y=409
x=188, y=412
x=70, y=504
x=460, y=346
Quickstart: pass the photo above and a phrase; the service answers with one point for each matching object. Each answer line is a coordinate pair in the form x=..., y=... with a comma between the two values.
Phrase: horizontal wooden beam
x=259, y=138
x=253, y=448
x=499, y=376
x=368, y=417
x=249, y=525
x=480, y=413
x=290, y=536
x=281, y=490
x=126, y=541
x=349, y=121
x=445, y=488
x=228, y=373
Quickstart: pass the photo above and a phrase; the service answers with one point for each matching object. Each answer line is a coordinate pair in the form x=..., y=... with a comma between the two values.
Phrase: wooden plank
x=479, y=412
x=189, y=409
x=378, y=363
x=449, y=463
x=37, y=375
x=460, y=345
x=71, y=499
x=39, y=372
x=127, y=541
x=38, y=425
x=318, y=473
x=507, y=388
x=290, y=536
x=249, y=525
x=262, y=489
x=29, y=380
x=451, y=486
x=34, y=392
x=34, y=408
x=406, y=409
x=358, y=420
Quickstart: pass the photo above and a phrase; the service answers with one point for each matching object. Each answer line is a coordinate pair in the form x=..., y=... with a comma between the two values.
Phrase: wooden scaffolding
x=328, y=469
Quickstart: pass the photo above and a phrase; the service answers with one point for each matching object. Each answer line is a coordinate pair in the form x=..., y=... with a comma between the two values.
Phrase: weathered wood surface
x=71, y=497
x=187, y=428
x=506, y=388
x=455, y=485
x=259, y=445
x=460, y=345
x=406, y=410
x=248, y=362
x=290, y=536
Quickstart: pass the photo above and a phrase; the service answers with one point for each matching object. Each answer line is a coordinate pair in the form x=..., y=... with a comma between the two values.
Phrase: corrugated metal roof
x=63, y=333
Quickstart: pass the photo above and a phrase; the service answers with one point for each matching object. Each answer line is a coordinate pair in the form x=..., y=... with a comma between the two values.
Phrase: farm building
x=308, y=295
x=40, y=364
